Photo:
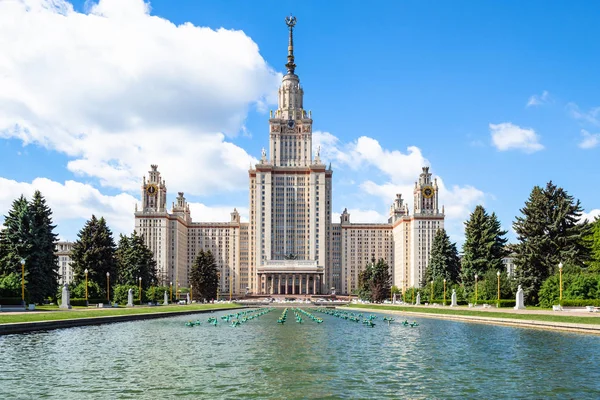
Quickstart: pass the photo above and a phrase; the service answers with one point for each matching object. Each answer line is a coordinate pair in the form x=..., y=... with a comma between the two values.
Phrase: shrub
x=77, y=302
x=156, y=294
x=10, y=286
x=581, y=303
x=94, y=290
x=10, y=301
x=120, y=293
x=579, y=286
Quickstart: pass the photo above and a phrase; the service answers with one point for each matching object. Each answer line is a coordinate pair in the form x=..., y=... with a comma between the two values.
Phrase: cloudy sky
x=495, y=100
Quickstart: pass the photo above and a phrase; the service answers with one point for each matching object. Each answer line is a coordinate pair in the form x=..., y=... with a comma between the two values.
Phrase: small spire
x=290, y=22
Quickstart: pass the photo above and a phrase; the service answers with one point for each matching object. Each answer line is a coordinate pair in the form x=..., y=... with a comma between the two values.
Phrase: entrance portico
x=290, y=277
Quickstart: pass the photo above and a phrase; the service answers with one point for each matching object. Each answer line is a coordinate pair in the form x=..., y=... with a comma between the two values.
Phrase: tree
x=488, y=286
x=364, y=281
x=549, y=232
x=135, y=260
x=204, y=276
x=381, y=281
x=42, y=261
x=94, y=250
x=29, y=235
x=374, y=282
x=593, y=241
x=16, y=237
x=443, y=261
x=484, y=246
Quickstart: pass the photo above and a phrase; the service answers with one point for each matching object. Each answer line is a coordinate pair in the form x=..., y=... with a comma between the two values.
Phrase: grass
x=52, y=313
x=571, y=319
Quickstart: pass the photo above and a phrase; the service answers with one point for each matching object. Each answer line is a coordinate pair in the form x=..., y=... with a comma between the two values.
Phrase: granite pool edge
x=10, y=328
x=517, y=323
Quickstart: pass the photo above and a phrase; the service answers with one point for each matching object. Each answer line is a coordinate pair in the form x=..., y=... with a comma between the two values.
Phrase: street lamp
x=498, y=274
x=476, y=288
x=560, y=267
x=108, y=287
x=177, y=291
x=231, y=286
x=444, y=291
x=218, y=285
x=140, y=279
x=431, y=295
x=171, y=291
x=191, y=293
x=86, y=286
x=23, y=281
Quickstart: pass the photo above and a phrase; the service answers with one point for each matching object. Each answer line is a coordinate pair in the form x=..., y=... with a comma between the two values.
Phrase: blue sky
x=495, y=99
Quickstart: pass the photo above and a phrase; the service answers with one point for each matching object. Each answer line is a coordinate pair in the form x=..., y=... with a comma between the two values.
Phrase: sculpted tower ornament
x=291, y=22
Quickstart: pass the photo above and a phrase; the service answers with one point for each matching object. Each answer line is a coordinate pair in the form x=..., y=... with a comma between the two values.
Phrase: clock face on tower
x=428, y=192
x=151, y=189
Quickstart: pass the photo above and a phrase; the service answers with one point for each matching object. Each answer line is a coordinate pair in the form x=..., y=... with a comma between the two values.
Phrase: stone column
x=294, y=284
x=272, y=279
x=314, y=284
x=286, y=283
x=300, y=285
x=278, y=284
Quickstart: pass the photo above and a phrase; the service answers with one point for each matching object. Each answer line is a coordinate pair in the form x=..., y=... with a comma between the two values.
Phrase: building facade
x=63, y=252
x=290, y=245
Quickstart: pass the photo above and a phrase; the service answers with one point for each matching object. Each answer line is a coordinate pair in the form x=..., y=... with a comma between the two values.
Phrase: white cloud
x=400, y=171
x=358, y=215
x=73, y=203
x=537, y=100
x=507, y=136
x=366, y=151
x=117, y=89
x=204, y=213
x=592, y=116
x=590, y=140
x=590, y=216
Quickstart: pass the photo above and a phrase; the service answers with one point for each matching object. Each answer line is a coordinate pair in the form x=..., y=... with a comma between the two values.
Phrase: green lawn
x=571, y=319
x=51, y=313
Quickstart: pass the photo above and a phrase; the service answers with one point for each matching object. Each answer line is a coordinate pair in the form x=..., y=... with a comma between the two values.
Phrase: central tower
x=290, y=198
x=290, y=142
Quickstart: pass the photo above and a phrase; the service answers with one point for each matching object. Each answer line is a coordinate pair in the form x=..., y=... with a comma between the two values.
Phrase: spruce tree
x=42, y=261
x=364, y=281
x=16, y=237
x=94, y=250
x=484, y=246
x=443, y=261
x=549, y=233
x=203, y=276
x=135, y=260
x=380, y=282
x=16, y=243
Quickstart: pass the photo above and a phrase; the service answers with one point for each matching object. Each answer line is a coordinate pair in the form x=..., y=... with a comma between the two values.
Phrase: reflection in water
x=265, y=360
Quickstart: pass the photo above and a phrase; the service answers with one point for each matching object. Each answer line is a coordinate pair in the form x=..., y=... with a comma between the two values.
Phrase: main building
x=290, y=245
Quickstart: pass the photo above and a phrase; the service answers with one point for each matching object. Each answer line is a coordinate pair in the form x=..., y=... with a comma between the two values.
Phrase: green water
x=263, y=360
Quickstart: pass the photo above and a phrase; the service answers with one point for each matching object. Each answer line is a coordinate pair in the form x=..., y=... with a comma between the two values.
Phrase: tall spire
x=290, y=22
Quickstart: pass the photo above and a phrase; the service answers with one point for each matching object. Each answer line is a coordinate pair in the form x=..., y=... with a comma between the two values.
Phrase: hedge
x=580, y=303
x=11, y=301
